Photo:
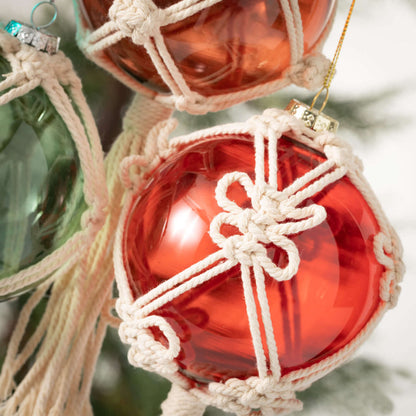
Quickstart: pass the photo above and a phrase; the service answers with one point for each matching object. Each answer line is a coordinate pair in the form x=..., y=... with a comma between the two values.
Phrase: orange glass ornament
x=316, y=313
x=230, y=46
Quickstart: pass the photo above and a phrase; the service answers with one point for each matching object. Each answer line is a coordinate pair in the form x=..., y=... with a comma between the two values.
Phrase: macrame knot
x=242, y=249
x=35, y=65
x=266, y=201
x=138, y=21
x=9, y=44
x=274, y=123
x=384, y=247
x=93, y=219
x=269, y=220
x=129, y=178
x=342, y=156
x=310, y=72
x=265, y=394
x=145, y=351
x=191, y=100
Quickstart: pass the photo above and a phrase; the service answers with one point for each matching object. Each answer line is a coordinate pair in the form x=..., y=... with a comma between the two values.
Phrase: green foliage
x=359, y=388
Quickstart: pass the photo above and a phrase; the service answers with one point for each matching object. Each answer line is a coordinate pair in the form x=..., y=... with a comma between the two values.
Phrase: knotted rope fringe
x=67, y=341
x=32, y=69
x=142, y=22
x=273, y=217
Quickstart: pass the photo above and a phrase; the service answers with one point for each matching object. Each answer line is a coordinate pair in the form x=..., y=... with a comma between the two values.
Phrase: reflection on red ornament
x=230, y=46
x=316, y=313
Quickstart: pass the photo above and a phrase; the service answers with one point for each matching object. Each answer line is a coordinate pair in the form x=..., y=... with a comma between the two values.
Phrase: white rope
x=30, y=69
x=272, y=217
x=66, y=343
x=142, y=23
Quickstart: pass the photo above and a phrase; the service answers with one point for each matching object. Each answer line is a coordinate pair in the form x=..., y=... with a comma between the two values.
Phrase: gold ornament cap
x=312, y=118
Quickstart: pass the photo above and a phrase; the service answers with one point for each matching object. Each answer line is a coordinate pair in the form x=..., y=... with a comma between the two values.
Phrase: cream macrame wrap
x=142, y=21
x=274, y=217
x=61, y=353
x=32, y=69
x=63, y=343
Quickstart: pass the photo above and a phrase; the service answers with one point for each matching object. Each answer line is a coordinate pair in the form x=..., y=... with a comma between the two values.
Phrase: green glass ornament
x=40, y=180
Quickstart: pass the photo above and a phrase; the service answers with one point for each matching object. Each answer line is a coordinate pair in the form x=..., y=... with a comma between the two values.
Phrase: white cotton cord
x=19, y=91
x=297, y=19
x=291, y=30
x=387, y=246
x=272, y=217
x=11, y=80
x=93, y=138
x=64, y=107
x=182, y=403
x=43, y=269
x=72, y=334
x=186, y=8
x=174, y=281
x=186, y=286
x=65, y=345
x=102, y=38
x=178, y=85
x=9, y=368
x=317, y=186
x=272, y=151
x=259, y=158
x=31, y=69
x=142, y=25
x=157, y=143
x=309, y=177
x=253, y=321
x=162, y=70
x=273, y=355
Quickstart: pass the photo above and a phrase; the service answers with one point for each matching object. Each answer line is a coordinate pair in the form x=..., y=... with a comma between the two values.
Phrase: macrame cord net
x=32, y=69
x=142, y=22
x=62, y=352
x=275, y=216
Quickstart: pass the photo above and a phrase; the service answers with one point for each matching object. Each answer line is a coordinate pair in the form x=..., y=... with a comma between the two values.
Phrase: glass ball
x=228, y=47
x=316, y=313
x=40, y=178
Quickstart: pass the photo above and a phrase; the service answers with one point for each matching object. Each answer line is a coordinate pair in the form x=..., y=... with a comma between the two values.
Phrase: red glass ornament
x=230, y=46
x=316, y=313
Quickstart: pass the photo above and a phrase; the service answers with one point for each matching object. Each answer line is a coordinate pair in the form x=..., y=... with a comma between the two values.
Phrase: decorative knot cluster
x=274, y=123
x=387, y=248
x=270, y=219
x=266, y=394
x=138, y=21
x=33, y=65
x=145, y=351
x=339, y=151
x=310, y=72
x=191, y=100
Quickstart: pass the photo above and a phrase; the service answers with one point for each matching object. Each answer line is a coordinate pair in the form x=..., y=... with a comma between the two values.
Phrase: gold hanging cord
x=331, y=71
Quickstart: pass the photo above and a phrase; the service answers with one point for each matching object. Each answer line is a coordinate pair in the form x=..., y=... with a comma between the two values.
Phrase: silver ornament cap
x=29, y=35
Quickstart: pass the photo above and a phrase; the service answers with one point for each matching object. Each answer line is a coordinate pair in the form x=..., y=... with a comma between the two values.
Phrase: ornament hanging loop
x=331, y=71
x=318, y=94
x=50, y=3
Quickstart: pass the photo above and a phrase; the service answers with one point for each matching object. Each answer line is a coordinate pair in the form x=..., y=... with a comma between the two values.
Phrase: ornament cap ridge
x=28, y=35
x=312, y=118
